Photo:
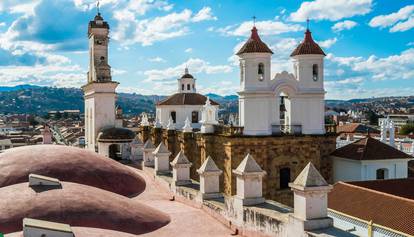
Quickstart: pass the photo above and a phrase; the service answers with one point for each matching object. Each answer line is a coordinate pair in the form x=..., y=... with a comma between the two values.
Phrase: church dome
x=68, y=164
x=77, y=205
x=254, y=44
x=111, y=134
x=187, y=74
x=308, y=46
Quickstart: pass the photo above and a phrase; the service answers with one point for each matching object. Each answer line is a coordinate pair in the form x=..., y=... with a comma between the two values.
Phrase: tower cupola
x=186, y=84
x=254, y=44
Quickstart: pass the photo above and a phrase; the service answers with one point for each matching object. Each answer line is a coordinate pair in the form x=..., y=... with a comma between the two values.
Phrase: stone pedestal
x=249, y=177
x=161, y=160
x=148, y=157
x=209, y=180
x=207, y=128
x=181, y=169
x=311, y=199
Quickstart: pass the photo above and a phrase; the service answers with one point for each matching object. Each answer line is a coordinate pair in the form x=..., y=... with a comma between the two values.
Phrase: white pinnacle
x=170, y=125
x=187, y=126
x=144, y=120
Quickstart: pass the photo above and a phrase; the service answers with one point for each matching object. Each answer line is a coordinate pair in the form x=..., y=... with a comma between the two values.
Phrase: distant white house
x=369, y=159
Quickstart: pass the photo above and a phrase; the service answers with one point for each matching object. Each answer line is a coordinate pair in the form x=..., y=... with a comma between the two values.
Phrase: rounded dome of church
x=68, y=164
x=77, y=205
x=114, y=134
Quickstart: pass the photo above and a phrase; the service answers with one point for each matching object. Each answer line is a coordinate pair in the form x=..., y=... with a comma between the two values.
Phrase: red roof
x=369, y=149
x=308, y=46
x=186, y=99
x=384, y=209
x=254, y=44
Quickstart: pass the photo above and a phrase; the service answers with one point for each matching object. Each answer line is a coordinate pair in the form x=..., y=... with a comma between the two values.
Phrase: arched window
x=173, y=116
x=188, y=87
x=182, y=87
x=194, y=117
x=284, y=178
x=315, y=72
x=261, y=71
x=382, y=173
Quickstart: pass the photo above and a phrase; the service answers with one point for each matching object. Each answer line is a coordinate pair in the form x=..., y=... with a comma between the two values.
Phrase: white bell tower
x=308, y=63
x=186, y=84
x=255, y=93
x=99, y=92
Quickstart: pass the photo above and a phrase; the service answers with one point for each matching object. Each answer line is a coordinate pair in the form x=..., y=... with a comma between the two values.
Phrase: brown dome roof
x=113, y=134
x=308, y=46
x=68, y=164
x=186, y=99
x=254, y=45
x=77, y=205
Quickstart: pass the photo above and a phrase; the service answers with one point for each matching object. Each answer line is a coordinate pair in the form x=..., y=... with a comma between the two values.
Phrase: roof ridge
x=377, y=192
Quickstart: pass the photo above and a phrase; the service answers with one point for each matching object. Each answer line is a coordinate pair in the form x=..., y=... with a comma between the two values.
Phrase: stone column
x=209, y=180
x=310, y=194
x=148, y=157
x=181, y=169
x=157, y=135
x=146, y=132
x=162, y=159
x=249, y=177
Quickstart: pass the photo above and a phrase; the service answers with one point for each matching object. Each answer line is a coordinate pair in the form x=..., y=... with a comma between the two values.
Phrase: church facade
x=185, y=104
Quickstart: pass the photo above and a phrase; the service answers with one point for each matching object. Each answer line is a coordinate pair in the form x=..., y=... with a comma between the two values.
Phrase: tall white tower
x=99, y=92
x=308, y=69
x=186, y=84
x=255, y=91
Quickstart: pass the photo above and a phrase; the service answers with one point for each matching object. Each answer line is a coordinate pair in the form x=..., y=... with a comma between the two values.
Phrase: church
x=184, y=105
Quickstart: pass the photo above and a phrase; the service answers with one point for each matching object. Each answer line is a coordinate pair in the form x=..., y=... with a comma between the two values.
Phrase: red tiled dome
x=77, y=205
x=308, y=46
x=68, y=164
x=254, y=44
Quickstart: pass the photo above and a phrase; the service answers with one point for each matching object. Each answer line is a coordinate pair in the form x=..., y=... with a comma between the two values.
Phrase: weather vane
x=97, y=6
x=254, y=20
x=307, y=23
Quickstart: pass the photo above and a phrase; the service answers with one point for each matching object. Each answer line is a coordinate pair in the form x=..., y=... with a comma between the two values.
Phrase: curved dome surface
x=77, y=205
x=68, y=164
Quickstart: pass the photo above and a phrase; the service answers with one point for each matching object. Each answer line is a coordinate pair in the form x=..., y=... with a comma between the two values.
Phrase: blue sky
x=369, y=44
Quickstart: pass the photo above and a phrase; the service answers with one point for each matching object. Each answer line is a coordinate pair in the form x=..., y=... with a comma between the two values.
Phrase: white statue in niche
x=144, y=120
x=208, y=117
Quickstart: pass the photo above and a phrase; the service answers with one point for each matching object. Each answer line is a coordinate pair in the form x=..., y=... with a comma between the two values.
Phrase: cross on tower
x=254, y=20
x=307, y=23
x=97, y=5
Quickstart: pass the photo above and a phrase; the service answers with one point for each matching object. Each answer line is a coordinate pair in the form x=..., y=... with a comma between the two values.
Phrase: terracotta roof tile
x=308, y=46
x=369, y=149
x=384, y=209
x=355, y=128
x=398, y=187
x=186, y=99
x=254, y=44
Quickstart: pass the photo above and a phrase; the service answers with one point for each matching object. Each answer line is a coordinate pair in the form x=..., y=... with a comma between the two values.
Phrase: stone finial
x=187, y=126
x=208, y=167
x=144, y=120
x=170, y=125
x=249, y=177
x=209, y=180
x=181, y=169
x=149, y=145
x=248, y=166
x=161, y=149
x=310, y=192
x=309, y=177
x=157, y=123
x=162, y=158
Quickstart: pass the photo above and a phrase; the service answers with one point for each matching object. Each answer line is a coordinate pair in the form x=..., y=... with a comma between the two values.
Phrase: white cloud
x=403, y=26
x=132, y=30
x=157, y=59
x=383, y=21
x=188, y=50
x=344, y=25
x=195, y=66
x=2, y=24
x=328, y=43
x=331, y=9
x=264, y=28
x=204, y=14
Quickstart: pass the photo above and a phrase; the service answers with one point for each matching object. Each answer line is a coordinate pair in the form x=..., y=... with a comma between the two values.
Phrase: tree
x=407, y=129
x=372, y=117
